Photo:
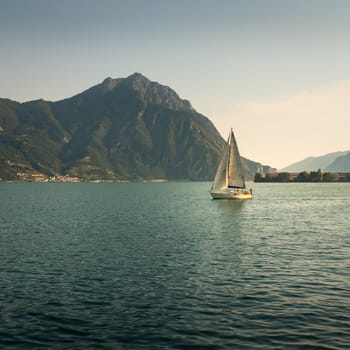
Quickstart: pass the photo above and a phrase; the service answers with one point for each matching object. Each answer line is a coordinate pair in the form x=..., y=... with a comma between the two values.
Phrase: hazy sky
x=276, y=71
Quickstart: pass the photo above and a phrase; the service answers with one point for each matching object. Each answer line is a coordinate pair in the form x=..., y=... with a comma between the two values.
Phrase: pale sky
x=276, y=71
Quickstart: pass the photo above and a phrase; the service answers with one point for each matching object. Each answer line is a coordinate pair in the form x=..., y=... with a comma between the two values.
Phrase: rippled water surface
x=162, y=266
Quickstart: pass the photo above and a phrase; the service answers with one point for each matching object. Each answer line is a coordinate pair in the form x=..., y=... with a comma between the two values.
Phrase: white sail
x=220, y=180
x=229, y=179
x=235, y=177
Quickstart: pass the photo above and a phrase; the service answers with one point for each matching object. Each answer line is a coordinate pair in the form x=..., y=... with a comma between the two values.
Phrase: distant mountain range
x=122, y=129
x=331, y=162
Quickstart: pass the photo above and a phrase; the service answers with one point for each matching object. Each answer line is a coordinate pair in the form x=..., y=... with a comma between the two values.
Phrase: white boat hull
x=228, y=194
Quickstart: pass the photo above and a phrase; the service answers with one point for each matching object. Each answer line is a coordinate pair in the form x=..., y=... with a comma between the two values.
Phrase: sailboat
x=229, y=180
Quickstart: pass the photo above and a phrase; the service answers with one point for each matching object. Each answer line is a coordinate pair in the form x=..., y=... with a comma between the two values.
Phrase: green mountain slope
x=31, y=139
x=128, y=128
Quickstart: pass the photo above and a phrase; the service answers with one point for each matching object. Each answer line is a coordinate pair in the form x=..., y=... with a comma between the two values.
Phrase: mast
x=229, y=141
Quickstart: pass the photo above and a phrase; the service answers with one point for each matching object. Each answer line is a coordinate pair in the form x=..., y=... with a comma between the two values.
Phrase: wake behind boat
x=229, y=180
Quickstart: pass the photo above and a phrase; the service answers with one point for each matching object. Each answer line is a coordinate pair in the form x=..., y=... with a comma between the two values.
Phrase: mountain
x=314, y=163
x=340, y=164
x=121, y=129
x=31, y=139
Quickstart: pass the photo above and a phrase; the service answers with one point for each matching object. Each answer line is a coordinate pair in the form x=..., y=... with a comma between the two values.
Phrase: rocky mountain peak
x=148, y=91
x=155, y=93
x=138, y=77
x=109, y=84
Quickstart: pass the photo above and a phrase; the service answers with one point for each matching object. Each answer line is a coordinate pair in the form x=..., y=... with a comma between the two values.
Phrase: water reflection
x=229, y=205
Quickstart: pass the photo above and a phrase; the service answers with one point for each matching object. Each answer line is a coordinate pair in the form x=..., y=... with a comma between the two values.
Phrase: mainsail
x=235, y=177
x=230, y=171
x=220, y=180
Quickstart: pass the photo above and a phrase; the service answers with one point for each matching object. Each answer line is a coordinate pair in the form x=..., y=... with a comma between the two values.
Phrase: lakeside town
x=272, y=176
x=40, y=177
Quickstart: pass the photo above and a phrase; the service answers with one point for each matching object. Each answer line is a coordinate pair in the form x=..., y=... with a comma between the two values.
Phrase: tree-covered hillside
x=121, y=129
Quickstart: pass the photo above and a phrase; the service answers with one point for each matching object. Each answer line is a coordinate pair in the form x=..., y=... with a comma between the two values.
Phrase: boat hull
x=227, y=194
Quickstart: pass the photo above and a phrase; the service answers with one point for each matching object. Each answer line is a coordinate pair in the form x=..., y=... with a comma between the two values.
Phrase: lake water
x=163, y=266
